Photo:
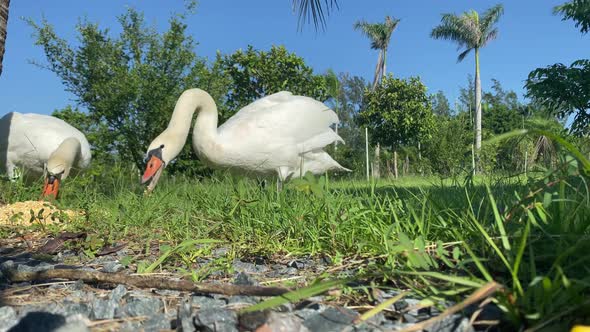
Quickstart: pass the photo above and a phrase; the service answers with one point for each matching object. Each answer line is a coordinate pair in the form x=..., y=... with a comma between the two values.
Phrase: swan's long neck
x=63, y=158
x=205, y=131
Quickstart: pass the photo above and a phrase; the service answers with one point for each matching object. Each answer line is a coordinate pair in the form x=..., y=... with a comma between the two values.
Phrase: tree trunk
x=477, y=110
x=376, y=161
x=406, y=165
x=420, y=158
x=384, y=65
x=336, y=142
x=4, y=4
x=378, y=70
x=395, y=173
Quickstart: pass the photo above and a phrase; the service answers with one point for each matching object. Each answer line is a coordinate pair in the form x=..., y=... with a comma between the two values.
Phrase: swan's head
x=59, y=165
x=160, y=152
x=57, y=171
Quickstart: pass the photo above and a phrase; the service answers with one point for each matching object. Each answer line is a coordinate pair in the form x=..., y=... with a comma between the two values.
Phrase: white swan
x=42, y=144
x=279, y=134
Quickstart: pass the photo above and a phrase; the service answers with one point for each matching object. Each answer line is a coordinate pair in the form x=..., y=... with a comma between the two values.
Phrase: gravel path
x=76, y=306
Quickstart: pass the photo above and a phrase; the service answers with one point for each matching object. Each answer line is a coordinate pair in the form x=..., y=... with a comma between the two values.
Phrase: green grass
x=440, y=238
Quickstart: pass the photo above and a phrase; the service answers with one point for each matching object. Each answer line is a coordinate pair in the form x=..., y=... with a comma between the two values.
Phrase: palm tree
x=314, y=10
x=4, y=4
x=471, y=32
x=380, y=35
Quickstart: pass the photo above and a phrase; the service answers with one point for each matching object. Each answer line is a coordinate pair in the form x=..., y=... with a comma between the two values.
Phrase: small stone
x=409, y=318
x=218, y=320
x=244, y=279
x=7, y=265
x=156, y=323
x=277, y=322
x=112, y=267
x=332, y=319
x=451, y=323
x=240, y=266
x=117, y=293
x=251, y=320
x=184, y=318
x=400, y=305
x=132, y=327
x=72, y=309
x=205, y=302
x=103, y=309
x=239, y=299
x=296, y=264
x=143, y=307
x=327, y=260
x=43, y=266
x=7, y=316
x=305, y=313
x=78, y=285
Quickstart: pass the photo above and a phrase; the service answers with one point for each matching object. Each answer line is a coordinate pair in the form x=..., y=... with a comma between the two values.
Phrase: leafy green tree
x=471, y=32
x=4, y=7
x=447, y=150
x=398, y=112
x=333, y=90
x=440, y=104
x=578, y=11
x=126, y=84
x=565, y=91
x=380, y=36
x=254, y=74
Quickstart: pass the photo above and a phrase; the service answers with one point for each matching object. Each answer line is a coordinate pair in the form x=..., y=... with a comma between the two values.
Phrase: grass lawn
x=439, y=238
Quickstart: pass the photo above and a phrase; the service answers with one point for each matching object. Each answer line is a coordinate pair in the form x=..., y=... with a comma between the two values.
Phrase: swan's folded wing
x=283, y=119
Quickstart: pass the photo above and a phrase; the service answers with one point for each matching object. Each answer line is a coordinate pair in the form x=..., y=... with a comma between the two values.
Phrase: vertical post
x=367, y=151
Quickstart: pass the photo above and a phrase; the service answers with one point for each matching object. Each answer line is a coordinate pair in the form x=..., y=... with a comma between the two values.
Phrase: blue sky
x=530, y=36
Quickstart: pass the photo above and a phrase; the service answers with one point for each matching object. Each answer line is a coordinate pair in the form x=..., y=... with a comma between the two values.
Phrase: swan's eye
x=162, y=146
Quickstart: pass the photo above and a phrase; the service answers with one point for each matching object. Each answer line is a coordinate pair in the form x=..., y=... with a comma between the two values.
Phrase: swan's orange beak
x=153, y=166
x=51, y=186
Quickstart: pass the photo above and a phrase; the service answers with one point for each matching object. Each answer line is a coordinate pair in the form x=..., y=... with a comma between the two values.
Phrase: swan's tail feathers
x=320, y=141
x=318, y=162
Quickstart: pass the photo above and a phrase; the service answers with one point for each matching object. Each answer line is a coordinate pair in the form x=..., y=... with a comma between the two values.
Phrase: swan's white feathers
x=280, y=130
x=29, y=139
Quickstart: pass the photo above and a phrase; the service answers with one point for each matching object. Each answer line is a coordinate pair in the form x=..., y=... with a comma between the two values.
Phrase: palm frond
x=491, y=35
x=489, y=18
x=314, y=10
x=378, y=33
x=464, y=54
x=454, y=28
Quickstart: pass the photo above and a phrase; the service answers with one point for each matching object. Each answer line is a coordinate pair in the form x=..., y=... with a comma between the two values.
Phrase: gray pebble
x=112, y=267
x=245, y=280
x=205, y=302
x=218, y=320
x=240, y=266
x=450, y=324
x=184, y=318
x=239, y=299
x=285, y=323
x=332, y=319
x=103, y=309
x=43, y=266
x=7, y=265
x=71, y=309
x=117, y=293
x=156, y=323
x=143, y=306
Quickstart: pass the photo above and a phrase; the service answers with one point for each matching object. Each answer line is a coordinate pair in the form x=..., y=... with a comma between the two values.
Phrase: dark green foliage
x=578, y=11
x=127, y=84
x=398, y=112
x=440, y=104
x=565, y=91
